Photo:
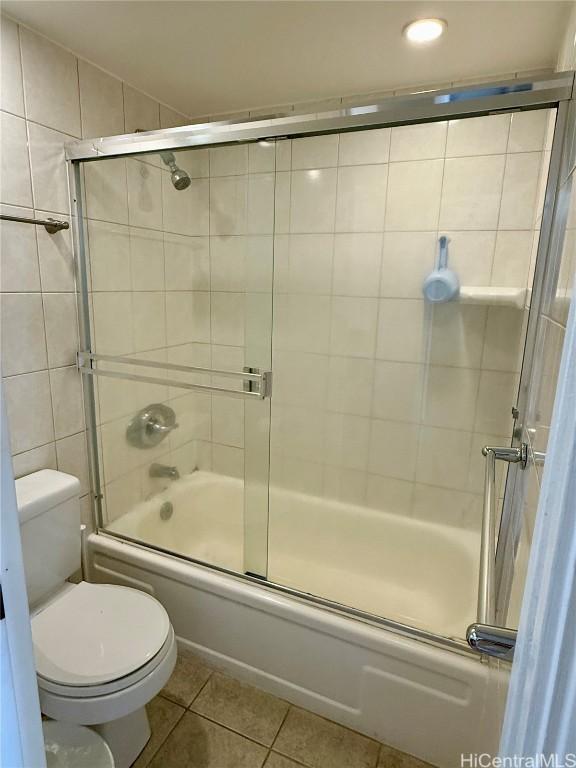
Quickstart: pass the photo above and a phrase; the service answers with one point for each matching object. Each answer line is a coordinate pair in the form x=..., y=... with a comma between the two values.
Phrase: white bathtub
x=413, y=572
x=432, y=701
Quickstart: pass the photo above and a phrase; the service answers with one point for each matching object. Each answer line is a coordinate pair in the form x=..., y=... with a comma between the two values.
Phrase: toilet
x=74, y=746
x=102, y=651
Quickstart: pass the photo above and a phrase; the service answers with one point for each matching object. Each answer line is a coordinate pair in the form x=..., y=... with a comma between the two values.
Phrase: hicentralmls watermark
x=485, y=760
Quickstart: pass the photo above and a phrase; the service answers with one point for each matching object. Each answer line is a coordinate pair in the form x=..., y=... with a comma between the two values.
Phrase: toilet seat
x=95, y=634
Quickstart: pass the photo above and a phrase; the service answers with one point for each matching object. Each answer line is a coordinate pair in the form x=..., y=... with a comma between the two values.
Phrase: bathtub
x=415, y=691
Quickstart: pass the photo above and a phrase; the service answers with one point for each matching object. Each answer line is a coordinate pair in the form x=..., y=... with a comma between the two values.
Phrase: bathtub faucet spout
x=162, y=470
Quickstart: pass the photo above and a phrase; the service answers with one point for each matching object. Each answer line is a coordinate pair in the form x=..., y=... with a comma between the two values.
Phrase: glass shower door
x=179, y=287
x=384, y=398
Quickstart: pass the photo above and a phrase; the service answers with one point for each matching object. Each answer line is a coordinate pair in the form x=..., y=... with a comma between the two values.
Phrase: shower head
x=178, y=177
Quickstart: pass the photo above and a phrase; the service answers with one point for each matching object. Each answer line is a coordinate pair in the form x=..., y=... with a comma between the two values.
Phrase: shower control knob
x=151, y=425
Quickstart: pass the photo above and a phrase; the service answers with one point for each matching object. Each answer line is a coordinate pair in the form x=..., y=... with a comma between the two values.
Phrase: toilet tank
x=49, y=511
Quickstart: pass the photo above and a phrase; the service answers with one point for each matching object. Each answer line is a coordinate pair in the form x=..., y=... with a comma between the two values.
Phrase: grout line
x=281, y=725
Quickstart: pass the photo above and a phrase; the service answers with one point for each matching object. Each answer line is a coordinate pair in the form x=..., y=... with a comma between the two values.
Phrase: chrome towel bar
x=483, y=635
x=50, y=225
x=260, y=382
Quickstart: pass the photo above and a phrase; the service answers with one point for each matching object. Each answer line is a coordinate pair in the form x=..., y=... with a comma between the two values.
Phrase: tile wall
x=381, y=399
x=48, y=97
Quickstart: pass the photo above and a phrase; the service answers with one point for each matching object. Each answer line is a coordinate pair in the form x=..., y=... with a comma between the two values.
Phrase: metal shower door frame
x=553, y=90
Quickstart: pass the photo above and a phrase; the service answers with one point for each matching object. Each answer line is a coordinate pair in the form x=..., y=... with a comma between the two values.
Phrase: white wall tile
x=471, y=192
x=16, y=188
x=49, y=176
x=227, y=318
x=228, y=461
x=302, y=323
x=407, y=258
x=388, y=494
x=511, y=258
x=228, y=205
x=443, y=457
x=309, y=264
x=43, y=457
x=66, y=387
x=23, y=340
x=290, y=369
x=346, y=440
x=478, y=136
x=517, y=210
x=19, y=269
x=345, y=485
x=109, y=253
x=260, y=204
x=262, y=157
x=315, y=152
x=50, y=84
x=504, y=340
x=146, y=259
x=361, y=198
x=282, y=194
x=185, y=212
x=56, y=258
x=456, y=334
x=414, y=195
x=144, y=194
x=29, y=410
x=528, y=130
x=140, y=111
x=450, y=397
x=496, y=396
x=11, y=69
x=149, y=320
x=187, y=263
x=196, y=162
x=283, y=154
x=357, y=259
x=169, y=118
x=418, y=142
x=350, y=385
x=101, y=102
x=106, y=190
x=228, y=421
x=113, y=323
x=353, y=326
x=393, y=449
x=397, y=391
x=364, y=147
x=72, y=457
x=313, y=200
x=229, y=161
x=401, y=330
x=470, y=255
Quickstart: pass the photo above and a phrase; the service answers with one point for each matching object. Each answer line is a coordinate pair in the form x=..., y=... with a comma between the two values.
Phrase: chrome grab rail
x=50, y=225
x=483, y=635
x=259, y=382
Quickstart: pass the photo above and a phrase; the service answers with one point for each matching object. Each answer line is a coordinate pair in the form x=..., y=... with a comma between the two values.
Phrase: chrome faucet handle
x=151, y=425
x=162, y=429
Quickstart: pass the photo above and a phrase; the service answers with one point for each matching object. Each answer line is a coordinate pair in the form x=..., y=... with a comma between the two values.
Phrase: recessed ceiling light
x=424, y=30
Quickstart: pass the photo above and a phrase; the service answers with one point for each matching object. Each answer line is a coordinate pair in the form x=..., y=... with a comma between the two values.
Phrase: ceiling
x=211, y=57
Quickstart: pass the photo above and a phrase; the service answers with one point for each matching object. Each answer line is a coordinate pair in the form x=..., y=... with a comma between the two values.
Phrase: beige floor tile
x=320, y=743
x=163, y=715
x=187, y=680
x=241, y=707
x=392, y=758
x=200, y=743
x=279, y=761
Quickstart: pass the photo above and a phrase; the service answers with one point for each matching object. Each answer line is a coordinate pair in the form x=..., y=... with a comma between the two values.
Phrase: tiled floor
x=204, y=719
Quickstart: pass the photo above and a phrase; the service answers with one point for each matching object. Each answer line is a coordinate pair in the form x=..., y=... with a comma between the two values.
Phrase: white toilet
x=102, y=651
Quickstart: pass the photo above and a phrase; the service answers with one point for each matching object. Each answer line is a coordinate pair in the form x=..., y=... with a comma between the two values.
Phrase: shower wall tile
x=34, y=460
x=11, y=68
x=361, y=198
x=72, y=458
x=398, y=391
x=520, y=183
x=227, y=319
x=315, y=152
x=262, y=157
x=49, y=173
x=303, y=264
x=106, y=191
x=350, y=382
x=50, y=84
x=511, y=258
x=101, y=102
x=357, y=263
x=146, y=259
x=144, y=195
x=187, y=263
x=401, y=329
x=185, y=214
x=388, y=494
x=418, y=142
x=169, y=118
x=472, y=255
x=456, y=335
x=450, y=397
x=393, y=448
x=528, y=131
x=16, y=186
x=141, y=113
x=471, y=192
x=414, y=190
x=19, y=270
x=364, y=147
x=260, y=204
x=61, y=321
x=313, y=201
x=228, y=205
x=109, y=250
x=407, y=258
x=66, y=389
x=442, y=457
x=353, y=326
x=478, y=136
x=229, y=161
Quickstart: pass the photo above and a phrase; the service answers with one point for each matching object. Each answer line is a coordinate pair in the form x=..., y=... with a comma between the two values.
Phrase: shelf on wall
x=494, y=296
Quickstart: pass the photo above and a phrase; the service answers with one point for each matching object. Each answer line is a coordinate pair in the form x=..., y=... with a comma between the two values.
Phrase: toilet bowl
x=102, y=651
x=74, y=746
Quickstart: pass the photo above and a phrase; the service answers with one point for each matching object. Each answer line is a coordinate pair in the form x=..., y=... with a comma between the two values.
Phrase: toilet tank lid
x=41, y=491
